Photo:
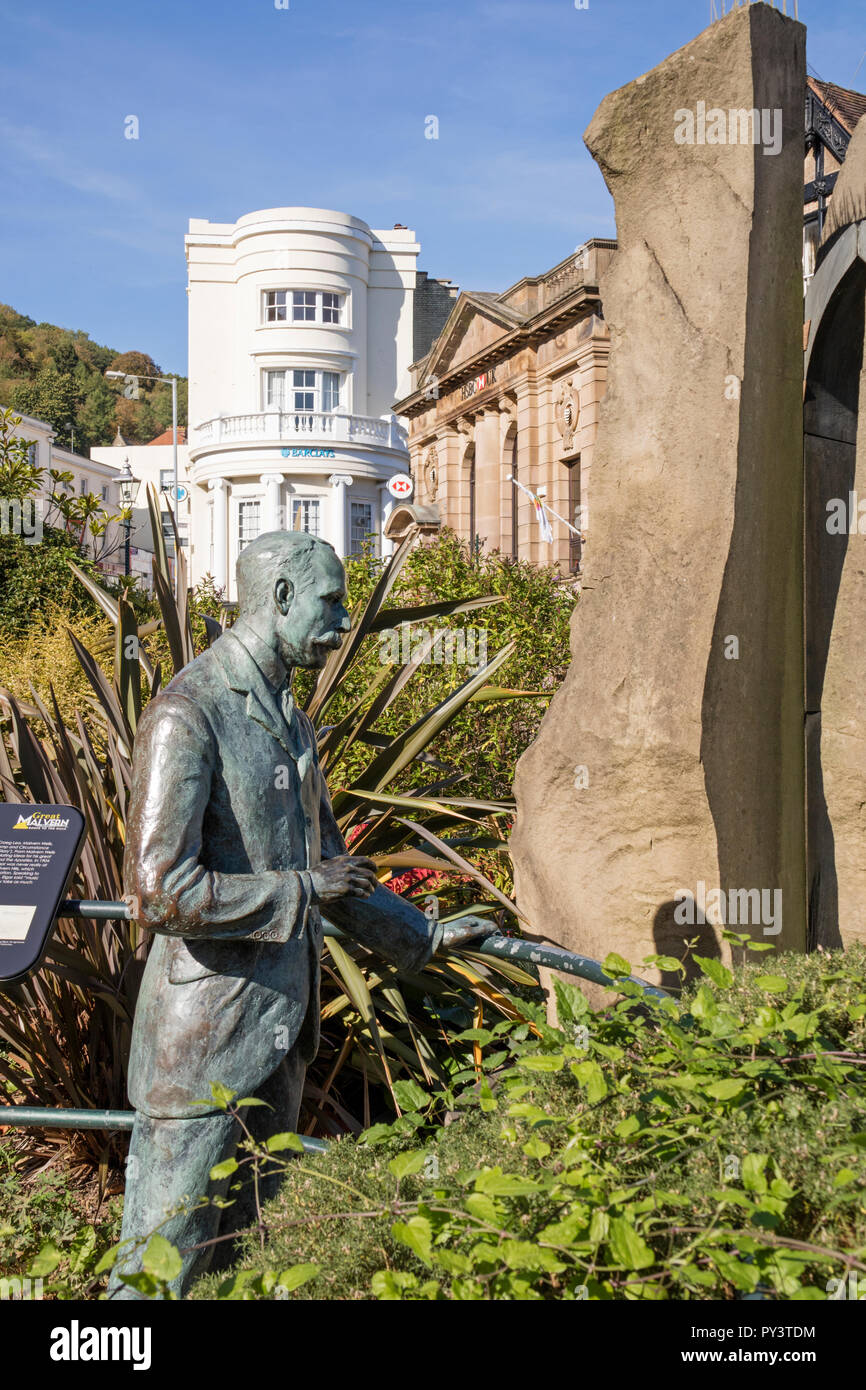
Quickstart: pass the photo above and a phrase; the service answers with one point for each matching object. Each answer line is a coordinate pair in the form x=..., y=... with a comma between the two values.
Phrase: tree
x=19, y=478
x=65, y=357
x=51, y=397
x=136, y=364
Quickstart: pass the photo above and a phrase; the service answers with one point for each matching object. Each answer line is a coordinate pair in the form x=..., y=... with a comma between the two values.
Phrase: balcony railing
x=300, y=427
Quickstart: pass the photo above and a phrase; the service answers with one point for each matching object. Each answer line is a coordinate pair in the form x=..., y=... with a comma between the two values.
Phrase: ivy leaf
x=844, y=1177
x=718, y=973
x=615, y=966
x=278, y=1142
x=222, y=1096
x=627, y=1247
x=417, y=1234
x=403, y=1165
x=82, y=1249
x=479, y=1205
x=46, y=1261
x=753, y=1172
x=486, y=1098
x=726, y=1089
x=161, y=1259
x=774, y=984
x=590, y=1075
x=667, y=963
x=525, y=1254
x=495, y=1183
x=224, y=1169
x=543, y=1061
x=411, y=1096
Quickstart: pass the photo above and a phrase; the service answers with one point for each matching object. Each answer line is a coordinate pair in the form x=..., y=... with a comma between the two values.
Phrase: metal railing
x=496, y=946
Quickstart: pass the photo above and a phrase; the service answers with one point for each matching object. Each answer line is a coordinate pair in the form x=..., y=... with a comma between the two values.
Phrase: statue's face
x=316, y=620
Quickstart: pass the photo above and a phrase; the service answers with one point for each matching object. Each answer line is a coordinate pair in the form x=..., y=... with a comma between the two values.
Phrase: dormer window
x=303, y=306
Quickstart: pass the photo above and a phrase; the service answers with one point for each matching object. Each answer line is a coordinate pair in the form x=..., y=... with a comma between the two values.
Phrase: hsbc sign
x=401, y=486
x=479, y=384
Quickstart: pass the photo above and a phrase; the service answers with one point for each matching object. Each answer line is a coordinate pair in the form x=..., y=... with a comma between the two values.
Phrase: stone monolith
x=670, y=764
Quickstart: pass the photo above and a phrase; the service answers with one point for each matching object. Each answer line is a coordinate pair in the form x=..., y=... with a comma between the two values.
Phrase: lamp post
x=128, y=493
x=132, y=379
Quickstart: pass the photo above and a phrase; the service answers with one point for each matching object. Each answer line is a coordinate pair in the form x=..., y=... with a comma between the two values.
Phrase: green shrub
x=702, y=1149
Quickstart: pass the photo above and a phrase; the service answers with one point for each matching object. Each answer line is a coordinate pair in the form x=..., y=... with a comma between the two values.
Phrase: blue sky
x=243, y=106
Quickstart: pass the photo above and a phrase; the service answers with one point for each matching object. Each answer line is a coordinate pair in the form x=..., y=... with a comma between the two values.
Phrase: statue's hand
x=463, y=930
x=347, y=876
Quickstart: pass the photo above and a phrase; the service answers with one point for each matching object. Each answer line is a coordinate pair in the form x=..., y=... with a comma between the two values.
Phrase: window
x=330, y=391
x=249, y=523
x=105, y=493
x=303, y=390
x=275, y=306
x=33, y=453
x=83, y=486
x=575, y=516
x=166, y=479
x=361, y=526
x=303, y=306
x=332, y=308
x=306, y=515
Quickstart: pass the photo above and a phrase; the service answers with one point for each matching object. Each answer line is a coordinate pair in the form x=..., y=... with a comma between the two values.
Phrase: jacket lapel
x=243, y=675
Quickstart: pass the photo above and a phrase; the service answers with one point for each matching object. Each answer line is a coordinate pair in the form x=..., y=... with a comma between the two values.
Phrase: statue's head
x=292, y=591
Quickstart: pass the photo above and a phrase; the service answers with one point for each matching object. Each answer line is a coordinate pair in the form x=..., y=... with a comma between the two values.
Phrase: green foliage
x=49, y=396
x=53, y=1231
x=535, y=616
x=57, y=375
x=709, y=1148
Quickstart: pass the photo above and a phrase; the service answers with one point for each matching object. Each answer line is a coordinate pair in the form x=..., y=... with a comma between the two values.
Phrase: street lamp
x=128, y=493
x=134, y=377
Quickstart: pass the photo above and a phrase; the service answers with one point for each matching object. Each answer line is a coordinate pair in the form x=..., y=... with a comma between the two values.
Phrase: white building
x=88, y=476
x=153, y=463
x=301, y=333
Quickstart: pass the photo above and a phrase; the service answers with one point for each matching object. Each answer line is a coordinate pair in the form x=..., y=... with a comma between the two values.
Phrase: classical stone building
x=831, y=115
x=513, y=383
x=510, y=390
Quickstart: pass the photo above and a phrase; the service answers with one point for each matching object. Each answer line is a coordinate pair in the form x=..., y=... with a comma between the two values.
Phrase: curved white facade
x=300, y=340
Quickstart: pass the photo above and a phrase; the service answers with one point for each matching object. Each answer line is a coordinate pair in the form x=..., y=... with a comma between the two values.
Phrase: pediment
x=475, y=324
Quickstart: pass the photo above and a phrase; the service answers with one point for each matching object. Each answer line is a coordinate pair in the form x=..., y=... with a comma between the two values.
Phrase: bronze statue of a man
x=232, y=849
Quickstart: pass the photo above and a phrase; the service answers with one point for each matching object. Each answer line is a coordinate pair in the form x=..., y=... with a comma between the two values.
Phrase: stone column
x=670, y=764
x=527, y=469
x=339, y=521
x=488, y=468
x=272, y=509
x=219, y=487
x=386, y=507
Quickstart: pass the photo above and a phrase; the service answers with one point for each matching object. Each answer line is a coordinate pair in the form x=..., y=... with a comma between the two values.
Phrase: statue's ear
x=283, y=594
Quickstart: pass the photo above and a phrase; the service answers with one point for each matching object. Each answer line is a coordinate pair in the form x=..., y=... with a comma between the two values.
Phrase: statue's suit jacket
x=229, y=810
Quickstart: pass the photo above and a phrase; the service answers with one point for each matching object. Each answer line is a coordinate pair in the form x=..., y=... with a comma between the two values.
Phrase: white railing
x=308, y=425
